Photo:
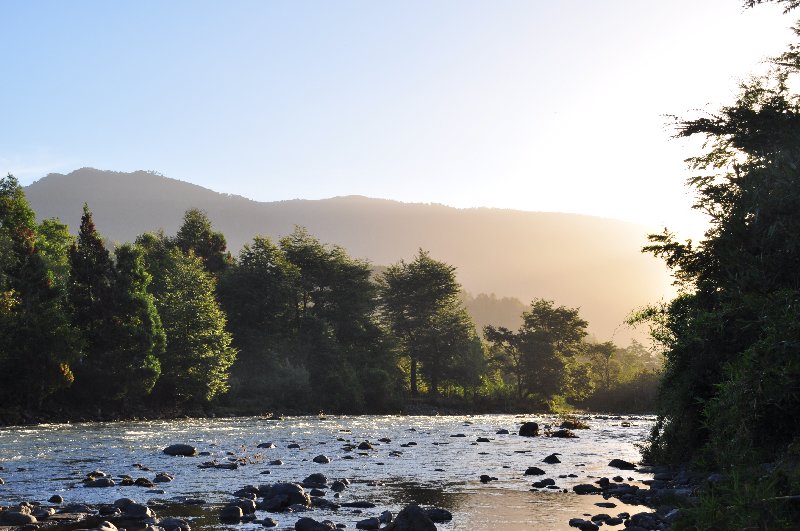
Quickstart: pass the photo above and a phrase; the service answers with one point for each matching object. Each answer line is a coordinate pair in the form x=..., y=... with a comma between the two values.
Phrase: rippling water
x=440, y=470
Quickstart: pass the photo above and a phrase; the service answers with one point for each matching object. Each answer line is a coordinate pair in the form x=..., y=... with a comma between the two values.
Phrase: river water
x=442, y=469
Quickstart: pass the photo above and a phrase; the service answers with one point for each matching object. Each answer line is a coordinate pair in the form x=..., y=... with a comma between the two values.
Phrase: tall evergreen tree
x=37, y=343
x=138, y=337
x=197, y=235
x=198, y=357
x=121, y=330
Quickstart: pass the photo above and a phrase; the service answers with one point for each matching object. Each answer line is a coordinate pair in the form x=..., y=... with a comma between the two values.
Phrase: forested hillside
x=583, y=261
x=173, y=323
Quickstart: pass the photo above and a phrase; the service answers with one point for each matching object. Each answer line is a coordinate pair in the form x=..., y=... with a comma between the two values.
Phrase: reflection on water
x=422, y=463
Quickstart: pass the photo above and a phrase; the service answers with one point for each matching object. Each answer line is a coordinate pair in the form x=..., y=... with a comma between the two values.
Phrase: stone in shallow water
x=534, y=471
x=185, y=450
x=621, y=464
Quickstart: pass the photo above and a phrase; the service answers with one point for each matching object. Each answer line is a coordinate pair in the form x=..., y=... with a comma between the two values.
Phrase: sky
x=532, y=105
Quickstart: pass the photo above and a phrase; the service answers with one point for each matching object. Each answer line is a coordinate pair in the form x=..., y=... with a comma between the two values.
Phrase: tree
x=258, y=296
x=338, y=338
x=197, y=235
x=121, y=330
x=196, y=362
x=539, y=354
x=137, y=334
x=732, y=336
x=53, y=242
x=602, y=354
x=35, y=331
x=422, y=305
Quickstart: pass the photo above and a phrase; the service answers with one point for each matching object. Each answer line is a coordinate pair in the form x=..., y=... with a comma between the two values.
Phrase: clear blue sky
x=533, y=105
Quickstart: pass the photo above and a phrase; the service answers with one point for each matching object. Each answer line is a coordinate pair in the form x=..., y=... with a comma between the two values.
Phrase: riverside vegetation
x=173, y=325
x=729, y=399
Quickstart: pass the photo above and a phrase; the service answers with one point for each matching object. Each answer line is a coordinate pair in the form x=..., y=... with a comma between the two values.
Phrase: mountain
x=576, y=260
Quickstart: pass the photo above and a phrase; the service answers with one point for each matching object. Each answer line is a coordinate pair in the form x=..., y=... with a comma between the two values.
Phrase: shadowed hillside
x=576, y=260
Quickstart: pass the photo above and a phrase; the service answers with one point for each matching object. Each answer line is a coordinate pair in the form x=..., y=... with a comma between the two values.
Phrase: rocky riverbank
x=359, y=472
x=668, y=491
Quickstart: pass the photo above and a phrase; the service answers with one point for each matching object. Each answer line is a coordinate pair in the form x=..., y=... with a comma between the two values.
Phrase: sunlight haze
x=538, y=106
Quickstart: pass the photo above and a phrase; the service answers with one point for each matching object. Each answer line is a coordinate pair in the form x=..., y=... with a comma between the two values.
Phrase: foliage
x=121, y=331
x=422, y=306
x=37, y=343
x=746, y=498
x=197, y=235
x=541, y=354
x=730, y=391
x=199, y=354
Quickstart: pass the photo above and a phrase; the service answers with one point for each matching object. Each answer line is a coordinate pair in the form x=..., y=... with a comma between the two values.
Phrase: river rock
x=385, y=517
x=174, y=524
x=365, y=446
x=100, y=482
x=564, y=434
x=230, y=514
x=122, y=503
x=245, y=491
x=309, y=524
x=323, y=503
x=551, y=459
x=338, y=486
x=247, y=506
x=185, y=450
x=143, y=482
x=293, y=446
x=269, y=522
x=138, y=511
x=621, y=464
x=438, y=515
x=266, y=445
x=359, y=504
x=163, y=477
x=583, y=525
x=17, y=518
x=316, y=480
x=57, y=499
x=411, y=518
x=368, y=523
x=502, y=431
x=294, y=493
x=482, y=440
x=322, y=459
x=529, y=429
x=585, y=488
x=534, y=471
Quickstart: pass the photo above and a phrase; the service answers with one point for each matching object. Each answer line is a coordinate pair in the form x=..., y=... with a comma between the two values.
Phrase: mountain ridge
x=574, y=259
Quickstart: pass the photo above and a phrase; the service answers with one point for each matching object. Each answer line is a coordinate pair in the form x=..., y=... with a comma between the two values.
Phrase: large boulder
x=411, y=518
x=309, y=524
x=231, y=514
x=534, y=471
x=529, y=429
x=316, y=480
x=292, y=492
x=185, y=450
x=585, y=488
x=621, y=464
x=17, y=518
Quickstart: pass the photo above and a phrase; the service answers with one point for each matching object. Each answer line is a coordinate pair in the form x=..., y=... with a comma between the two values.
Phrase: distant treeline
x=176, y=324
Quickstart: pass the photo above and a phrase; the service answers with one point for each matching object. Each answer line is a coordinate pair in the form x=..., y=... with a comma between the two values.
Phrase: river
x=442, y=469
